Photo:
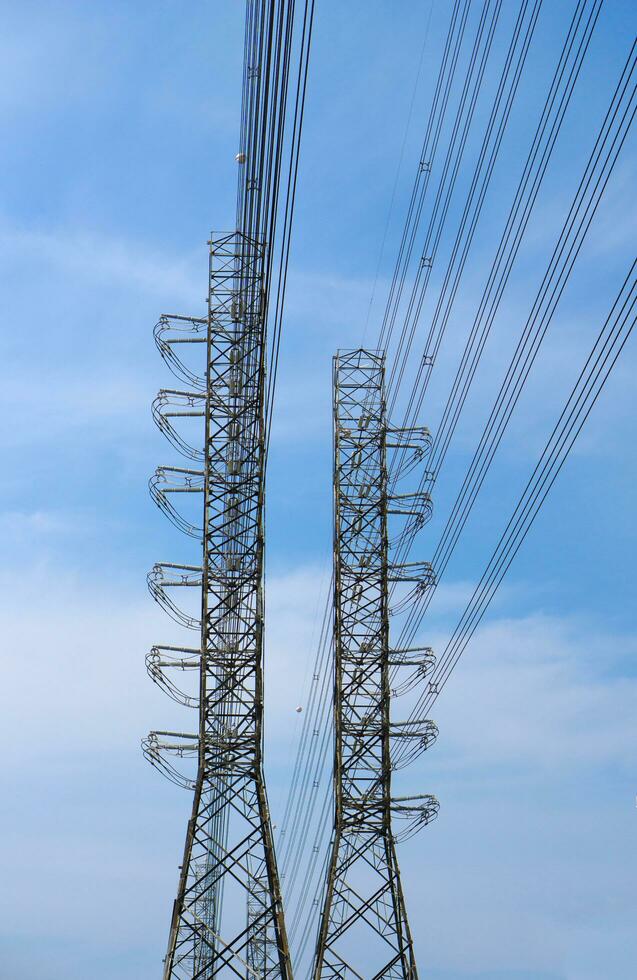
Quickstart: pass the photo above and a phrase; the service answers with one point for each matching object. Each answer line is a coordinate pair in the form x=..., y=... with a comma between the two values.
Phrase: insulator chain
x=418, y=576
x=165, y=486
x=414, y=736
x=172, y=405
x=174, y=412
x=406, y=449
x=172, y=333
x=418, y=662
x=414, y=813
x=163, y=578
x=163, y=661
x=160, y=748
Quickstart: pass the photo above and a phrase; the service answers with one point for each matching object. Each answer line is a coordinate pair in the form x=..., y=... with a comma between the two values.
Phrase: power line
x=597, y=368
x=574, y=50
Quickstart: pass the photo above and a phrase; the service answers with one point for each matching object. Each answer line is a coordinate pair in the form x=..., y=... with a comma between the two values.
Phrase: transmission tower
x=227, y=918
x=364, y=931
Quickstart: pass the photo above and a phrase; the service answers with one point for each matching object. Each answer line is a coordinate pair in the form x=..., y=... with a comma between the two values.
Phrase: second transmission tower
x=364, y=930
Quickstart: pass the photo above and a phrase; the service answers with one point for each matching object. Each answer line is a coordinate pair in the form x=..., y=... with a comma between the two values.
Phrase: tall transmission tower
x=227, y=918
x=364, y=931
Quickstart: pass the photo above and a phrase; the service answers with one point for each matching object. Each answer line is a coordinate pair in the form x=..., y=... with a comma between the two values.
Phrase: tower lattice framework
x=227, y=918
x=364, y=930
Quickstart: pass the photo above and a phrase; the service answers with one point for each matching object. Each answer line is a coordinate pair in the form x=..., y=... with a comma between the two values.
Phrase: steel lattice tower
x=364, y=931
x=229, y=852
x=227, y=918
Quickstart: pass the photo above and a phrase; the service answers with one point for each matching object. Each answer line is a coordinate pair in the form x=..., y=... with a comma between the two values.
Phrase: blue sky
x=119, y=125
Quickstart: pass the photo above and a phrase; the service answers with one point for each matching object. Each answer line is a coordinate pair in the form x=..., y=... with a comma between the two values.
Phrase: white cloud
x=75, y=664
x=80, y=668
x=103, y=260
x=41, y=57
x=326, y=302
x=110, y=402
x=94, y=375
x=35, y=523
x=451, y=597
x=534, y=701
x=533, y=768
x=295, y=604
x=541, y=692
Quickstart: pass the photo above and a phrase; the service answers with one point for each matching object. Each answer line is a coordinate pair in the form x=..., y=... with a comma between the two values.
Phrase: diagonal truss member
x=364, y=931
x=227, y=919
